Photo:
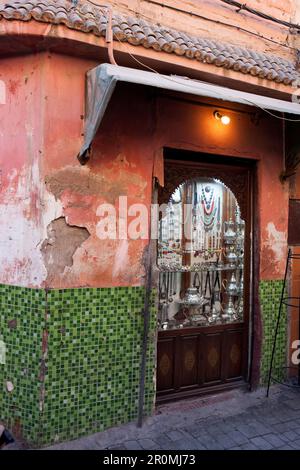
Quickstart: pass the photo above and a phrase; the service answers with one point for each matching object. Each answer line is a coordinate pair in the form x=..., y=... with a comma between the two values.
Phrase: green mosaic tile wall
x=74, y=359
x=270, y=294
x=21, y=327
x=74, y=355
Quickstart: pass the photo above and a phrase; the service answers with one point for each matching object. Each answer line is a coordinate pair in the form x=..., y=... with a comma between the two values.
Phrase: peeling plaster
x=21, y=263
x=58, y=249
x=276, y=242
x=108, y=184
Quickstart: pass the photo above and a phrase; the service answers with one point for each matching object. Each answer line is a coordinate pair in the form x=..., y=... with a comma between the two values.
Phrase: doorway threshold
x=200, y=398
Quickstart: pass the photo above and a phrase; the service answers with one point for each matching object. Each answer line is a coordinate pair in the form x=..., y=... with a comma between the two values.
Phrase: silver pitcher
x=214, y=314
x=229, y=233
x=230, y=286
x=229, y=312
x=231, y=256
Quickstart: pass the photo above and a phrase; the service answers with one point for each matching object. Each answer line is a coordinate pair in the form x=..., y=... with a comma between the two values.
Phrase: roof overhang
x=102, y=80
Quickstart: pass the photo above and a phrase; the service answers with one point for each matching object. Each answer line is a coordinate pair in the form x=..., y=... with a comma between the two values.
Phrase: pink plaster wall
x=21, y=144
x=42, y=128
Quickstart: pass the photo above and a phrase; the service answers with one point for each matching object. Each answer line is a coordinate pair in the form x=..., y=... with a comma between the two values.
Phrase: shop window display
x=201, y=257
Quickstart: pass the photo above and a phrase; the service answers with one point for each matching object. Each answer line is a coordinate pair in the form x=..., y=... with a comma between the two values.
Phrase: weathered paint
x=276, y=243
x=197, y=16
x=41, y=125
x=122, y=161
x=183, y=125
x=133, y=131
x=58, y=38
x=21, y=138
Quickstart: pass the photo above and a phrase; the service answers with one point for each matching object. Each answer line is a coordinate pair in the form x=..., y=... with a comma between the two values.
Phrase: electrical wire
x=109, y=36
x=205, y=18
x=190, y=85
x=265, y=16
x=222, y=23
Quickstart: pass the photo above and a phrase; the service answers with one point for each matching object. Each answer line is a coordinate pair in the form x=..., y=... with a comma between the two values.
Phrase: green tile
x=90, y=377
x=270, y=294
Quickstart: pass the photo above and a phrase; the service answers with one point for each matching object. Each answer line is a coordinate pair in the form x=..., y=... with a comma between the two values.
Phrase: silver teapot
x=192, y=297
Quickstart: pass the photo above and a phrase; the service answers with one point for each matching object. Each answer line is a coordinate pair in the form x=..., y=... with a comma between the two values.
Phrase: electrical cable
x=190, y=85
x=205, y=18
x=109, y=35
x=222, y=23
x=244, y=6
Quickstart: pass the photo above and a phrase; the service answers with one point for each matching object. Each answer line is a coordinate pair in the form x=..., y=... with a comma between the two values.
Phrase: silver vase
x=229, y=312
x=231, y=256
x=230, y=286
x=229, y=233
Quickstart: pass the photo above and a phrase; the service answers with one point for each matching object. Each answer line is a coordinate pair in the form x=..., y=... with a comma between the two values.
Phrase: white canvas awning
x=102, y=80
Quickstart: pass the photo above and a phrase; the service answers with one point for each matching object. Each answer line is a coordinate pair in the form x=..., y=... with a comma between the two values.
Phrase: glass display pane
x=201, y=256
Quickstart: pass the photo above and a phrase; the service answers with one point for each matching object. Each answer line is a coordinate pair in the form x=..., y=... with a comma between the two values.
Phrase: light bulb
x=225, y=120
x=222, y=117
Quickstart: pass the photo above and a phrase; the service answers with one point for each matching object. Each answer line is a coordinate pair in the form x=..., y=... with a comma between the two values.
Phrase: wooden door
x=210, y=358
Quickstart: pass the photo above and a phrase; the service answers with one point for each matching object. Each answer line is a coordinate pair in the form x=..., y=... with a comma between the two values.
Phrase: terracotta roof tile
x=91, y=19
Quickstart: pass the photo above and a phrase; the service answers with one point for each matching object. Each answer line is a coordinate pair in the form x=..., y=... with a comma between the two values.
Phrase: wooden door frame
x=223, y=163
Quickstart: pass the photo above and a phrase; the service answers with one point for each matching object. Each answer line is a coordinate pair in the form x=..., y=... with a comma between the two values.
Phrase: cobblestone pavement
x=233, y=420
x=236, y=420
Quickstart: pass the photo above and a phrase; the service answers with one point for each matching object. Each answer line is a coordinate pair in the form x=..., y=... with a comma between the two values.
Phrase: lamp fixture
x=222, y=117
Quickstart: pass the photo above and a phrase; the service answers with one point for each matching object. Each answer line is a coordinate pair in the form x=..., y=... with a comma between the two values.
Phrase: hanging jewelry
x=208, y=206
x=219, y=214
x=207, y=202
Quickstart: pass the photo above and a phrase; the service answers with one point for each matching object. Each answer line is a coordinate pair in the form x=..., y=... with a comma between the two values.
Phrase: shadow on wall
x=5, y=437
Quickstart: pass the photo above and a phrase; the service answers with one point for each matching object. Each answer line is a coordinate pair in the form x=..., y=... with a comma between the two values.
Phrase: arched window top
x=201, y=255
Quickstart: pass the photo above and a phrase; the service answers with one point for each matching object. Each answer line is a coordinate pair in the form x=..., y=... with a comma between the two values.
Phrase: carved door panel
x=166, y=364
x=189, y=361
x=234, y=354
x=212, y=351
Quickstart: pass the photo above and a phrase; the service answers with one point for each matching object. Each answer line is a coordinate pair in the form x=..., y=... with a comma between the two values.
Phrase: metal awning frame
x=102, y=80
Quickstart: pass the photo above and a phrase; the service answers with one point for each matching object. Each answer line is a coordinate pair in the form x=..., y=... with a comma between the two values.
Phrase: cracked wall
x=21, y=146
x=48, y=234
x=42, y=180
